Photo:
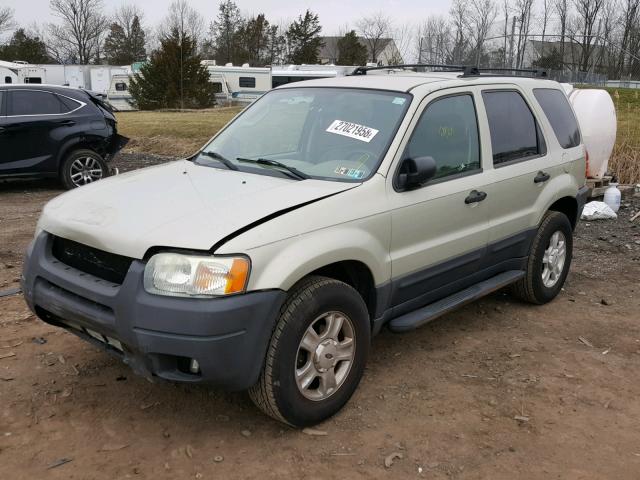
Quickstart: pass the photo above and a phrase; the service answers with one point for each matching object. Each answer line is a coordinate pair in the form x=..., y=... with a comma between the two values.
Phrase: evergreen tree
x=173, y=77
x=253, y=41
x=225, y=32
x=137, y=41
x=125, y=44
x=25, y=47
x=304, y=39
x=351, y=51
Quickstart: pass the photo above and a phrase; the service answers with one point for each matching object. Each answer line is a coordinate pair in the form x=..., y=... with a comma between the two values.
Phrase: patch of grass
x=172, y=133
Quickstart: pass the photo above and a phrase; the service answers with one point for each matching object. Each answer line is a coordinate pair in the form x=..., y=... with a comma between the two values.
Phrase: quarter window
x=448, y=132
x=247, y=82
x=514, y=131
x=556, y=107
x=25, y=102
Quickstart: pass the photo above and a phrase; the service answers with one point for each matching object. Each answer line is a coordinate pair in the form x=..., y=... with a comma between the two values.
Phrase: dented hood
x=178, y=204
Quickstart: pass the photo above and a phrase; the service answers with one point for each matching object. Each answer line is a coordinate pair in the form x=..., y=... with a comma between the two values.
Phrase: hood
x=178, y=204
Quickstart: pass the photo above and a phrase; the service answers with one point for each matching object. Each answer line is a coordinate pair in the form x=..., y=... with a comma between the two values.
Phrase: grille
x=107, y=266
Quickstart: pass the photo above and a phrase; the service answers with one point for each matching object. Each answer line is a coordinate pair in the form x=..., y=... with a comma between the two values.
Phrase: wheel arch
x=568, y=206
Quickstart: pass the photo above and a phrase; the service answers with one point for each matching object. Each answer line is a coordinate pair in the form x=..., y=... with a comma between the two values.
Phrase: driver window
x=448, y=132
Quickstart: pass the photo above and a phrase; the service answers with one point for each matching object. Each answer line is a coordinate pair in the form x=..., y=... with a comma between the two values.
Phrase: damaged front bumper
x=157, y=336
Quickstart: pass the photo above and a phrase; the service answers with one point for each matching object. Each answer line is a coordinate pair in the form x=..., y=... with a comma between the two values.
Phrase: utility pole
x=513, y=33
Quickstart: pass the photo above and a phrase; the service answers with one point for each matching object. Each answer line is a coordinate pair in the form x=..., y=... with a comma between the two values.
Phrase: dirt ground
x=498, y=390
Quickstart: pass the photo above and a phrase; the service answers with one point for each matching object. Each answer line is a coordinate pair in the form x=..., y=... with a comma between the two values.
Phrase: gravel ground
x=497, y=389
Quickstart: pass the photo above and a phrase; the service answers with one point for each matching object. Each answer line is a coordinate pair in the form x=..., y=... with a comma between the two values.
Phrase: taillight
x=586, y=163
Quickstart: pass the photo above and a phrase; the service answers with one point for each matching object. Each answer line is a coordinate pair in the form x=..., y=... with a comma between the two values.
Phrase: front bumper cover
x=154, y=334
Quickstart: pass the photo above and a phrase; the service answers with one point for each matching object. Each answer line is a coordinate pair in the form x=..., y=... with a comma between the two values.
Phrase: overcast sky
x=334, y=14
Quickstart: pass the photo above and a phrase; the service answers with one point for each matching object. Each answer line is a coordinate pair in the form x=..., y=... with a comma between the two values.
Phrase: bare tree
x=6, y=19
x=588, y=12
x=546, y=11
x=185, y=19
x=434, y=41
x=523, y=10
x=482, y=14
x=630, y=18
x=125, y=15
x=403, y=37
x=459, y=14
x=506, y=12
x=374, y=30
x=562, y=10
x=79, y=36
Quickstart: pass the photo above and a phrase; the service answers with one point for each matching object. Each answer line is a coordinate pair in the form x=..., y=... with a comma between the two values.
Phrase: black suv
x=49, y=131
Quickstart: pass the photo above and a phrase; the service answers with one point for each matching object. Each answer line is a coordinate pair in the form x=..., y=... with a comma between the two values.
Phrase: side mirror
x=415, y=172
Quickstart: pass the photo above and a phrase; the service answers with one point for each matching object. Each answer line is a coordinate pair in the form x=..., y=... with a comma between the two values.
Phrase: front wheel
x=316, y=355
x=549, y=260
x=82, y=167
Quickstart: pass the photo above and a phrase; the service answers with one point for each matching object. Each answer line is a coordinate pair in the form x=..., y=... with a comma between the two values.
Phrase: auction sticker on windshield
x=352, y=130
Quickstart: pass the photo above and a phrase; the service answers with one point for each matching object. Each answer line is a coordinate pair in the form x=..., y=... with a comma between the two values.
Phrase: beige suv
x=325, y=211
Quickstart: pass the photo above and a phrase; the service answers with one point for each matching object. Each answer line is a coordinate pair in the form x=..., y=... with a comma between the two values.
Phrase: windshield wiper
x=223, y=160
x=274, y=163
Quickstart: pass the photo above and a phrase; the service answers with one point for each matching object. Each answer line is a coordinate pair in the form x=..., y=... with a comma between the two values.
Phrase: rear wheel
x=82, y=167
x=549, y=260
x=317, y=353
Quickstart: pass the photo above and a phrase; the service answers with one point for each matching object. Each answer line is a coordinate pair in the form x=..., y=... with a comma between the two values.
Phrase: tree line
x=600, y=36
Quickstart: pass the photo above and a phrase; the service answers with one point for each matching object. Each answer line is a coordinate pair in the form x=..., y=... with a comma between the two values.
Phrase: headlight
x=174, y=274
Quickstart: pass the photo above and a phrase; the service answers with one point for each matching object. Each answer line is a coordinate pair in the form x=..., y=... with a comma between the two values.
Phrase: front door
x=440, y=231
x=26, y=142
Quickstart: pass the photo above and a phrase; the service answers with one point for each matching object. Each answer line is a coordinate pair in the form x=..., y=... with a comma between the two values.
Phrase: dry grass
x=170, y=132
x=625, y=161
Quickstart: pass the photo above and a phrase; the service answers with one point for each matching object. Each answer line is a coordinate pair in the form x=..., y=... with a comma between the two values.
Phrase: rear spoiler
x=100, y=100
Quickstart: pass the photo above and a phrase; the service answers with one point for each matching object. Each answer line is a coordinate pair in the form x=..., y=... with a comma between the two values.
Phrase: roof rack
x=534, y=72
x=467, y=70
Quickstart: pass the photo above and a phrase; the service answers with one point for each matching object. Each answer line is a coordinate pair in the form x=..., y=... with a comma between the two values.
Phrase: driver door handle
x=541, y=177
x=475, y=197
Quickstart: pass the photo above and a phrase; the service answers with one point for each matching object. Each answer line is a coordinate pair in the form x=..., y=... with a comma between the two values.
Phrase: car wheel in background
x=82, y=167
x=316, y=355
x=549, y=260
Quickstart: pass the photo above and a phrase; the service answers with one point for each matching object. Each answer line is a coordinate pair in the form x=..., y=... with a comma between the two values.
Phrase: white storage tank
x=596, y=115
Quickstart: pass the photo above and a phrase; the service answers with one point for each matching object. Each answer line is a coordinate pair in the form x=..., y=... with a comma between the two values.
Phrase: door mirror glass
x=415, y=172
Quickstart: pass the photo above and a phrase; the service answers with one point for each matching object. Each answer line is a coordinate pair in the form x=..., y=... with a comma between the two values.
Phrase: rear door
x=28, y=139
x=440, y=231
x=521, y=168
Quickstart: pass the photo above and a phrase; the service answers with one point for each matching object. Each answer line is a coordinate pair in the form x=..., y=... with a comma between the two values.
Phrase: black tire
x=277, y=394
x=97, y=168
x=531, y=287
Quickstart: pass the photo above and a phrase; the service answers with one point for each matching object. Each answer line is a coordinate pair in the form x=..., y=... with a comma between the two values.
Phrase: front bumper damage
x=157, y=336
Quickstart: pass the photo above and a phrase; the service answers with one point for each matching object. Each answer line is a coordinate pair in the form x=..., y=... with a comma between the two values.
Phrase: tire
x=82, y=167
x=277, y=392
x=533, y=288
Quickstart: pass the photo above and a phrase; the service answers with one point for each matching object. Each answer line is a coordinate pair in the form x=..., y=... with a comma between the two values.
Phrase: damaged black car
x=60, y=132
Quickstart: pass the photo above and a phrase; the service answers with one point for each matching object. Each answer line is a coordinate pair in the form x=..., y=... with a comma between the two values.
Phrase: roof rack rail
x=534, y=72
x=466, y=70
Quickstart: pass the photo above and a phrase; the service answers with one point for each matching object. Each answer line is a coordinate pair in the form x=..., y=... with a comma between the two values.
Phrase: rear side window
x=556, y=107
x=247, y=82
x=68, y=105
x=514, y=132
x=448, y=132
x=31, y=102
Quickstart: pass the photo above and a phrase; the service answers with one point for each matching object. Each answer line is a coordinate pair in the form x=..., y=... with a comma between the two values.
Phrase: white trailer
x=77, y=76
x=284, y=74
x=118, y=93
x=242, y=84
x=101, y=77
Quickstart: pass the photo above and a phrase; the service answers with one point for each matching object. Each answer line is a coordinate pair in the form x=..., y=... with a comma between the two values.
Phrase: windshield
x=323, y=133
